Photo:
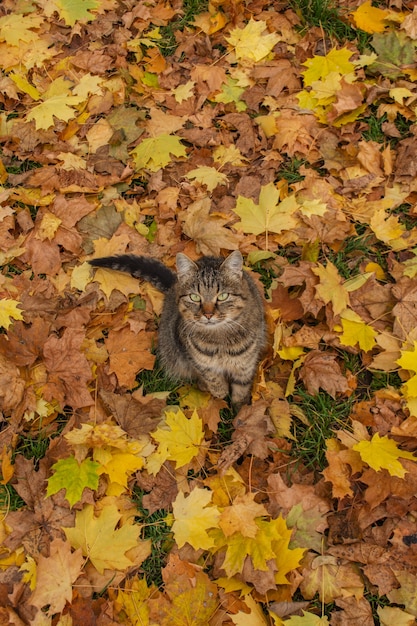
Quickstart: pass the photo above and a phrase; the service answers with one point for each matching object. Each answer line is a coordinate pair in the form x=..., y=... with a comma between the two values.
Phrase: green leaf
x=231, y=92
x=394, y=50
x=73, y=477
x=72, y=11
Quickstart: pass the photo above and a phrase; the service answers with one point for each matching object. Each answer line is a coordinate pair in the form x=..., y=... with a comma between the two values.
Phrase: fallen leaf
x=101, y=540
x=269, y=216
x=179, y=439
x=383, y=453
x=251, y=42
x=9, y=311
x=194, y=515
x=129, y=353
x=54, y=577
x=207, y=229
x=369, y=18
x=73, y=477
x=155, y=152
x=321, y=370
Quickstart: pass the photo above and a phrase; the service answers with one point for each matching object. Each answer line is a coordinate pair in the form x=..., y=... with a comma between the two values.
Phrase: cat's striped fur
x=212, y=328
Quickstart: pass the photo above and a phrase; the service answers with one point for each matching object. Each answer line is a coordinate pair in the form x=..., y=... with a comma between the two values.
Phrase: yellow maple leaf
x=9, y=311
x=255, y=616
x=133, y=601
x=331, y=288
x=118, y=466
x=193, y=518
x=326, y=88
x=240, y=516
x=389, y=615
x=208, y=176
x=59, y=106
x=408, y=361
x=88, y=85
x=16, y=28
x=286, y=559
x=183, y=92
x=154, y=153
x=383, y=453
x=28, y=568
x=179, y=439
x=230, y=92
x=319, y=67
x=386, y=227
x=269, y=544
x=313, y=207
x=229, y=154
x=269, y=215
x=356, y=332
x=48, y=226
x=369, y=18
x=109, y=280
x=103, y=541
x=251, y=42
x=97, y=435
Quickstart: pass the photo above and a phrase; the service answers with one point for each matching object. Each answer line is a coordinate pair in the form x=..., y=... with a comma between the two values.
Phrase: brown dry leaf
x=353, y=612
x=55, y=575
x=322, y=371
x=12, y=386
x=252, y=426
x=24, y=343
x=405, y=311
x=163, y=489
x=136, y=414
x=207, y=229
x=42, y=519
x=339, y=470
x=68, y=370
x=129, y=353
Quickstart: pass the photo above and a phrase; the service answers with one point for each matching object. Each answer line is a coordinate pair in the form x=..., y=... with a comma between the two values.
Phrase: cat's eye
x=222, y=296
x=195, y=297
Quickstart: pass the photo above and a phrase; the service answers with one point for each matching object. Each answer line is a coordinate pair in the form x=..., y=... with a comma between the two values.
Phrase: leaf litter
x=252, y=133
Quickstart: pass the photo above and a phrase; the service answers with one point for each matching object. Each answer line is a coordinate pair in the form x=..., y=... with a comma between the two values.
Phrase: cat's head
x=210, y=291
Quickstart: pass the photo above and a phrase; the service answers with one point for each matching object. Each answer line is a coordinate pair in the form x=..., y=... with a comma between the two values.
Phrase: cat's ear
x=185, y=266
x=233, y=263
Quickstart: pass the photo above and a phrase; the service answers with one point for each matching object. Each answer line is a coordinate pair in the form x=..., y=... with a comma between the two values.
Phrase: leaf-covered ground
x=284, y=129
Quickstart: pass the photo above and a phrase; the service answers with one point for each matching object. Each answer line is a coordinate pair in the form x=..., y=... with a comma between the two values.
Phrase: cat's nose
x=208, y=310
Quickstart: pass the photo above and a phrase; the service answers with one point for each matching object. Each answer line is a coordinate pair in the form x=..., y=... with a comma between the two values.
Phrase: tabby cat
x=212, y=328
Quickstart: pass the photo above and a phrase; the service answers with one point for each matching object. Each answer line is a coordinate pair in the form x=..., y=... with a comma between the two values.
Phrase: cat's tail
x=145, y=267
